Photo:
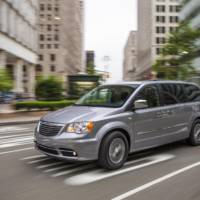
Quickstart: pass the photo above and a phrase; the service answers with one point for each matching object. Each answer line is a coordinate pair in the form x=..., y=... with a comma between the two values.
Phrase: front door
x=148, y=123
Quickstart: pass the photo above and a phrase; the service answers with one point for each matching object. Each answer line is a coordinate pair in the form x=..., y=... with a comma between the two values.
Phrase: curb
x=18, y=122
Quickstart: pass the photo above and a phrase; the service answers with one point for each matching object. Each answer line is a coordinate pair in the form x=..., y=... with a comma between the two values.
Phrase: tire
x=113, y=151
x=194, y=138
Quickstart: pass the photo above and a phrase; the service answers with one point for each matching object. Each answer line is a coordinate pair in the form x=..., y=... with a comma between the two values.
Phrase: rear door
x=174, y=112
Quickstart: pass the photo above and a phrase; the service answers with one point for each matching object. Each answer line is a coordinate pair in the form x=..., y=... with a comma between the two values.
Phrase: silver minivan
x=114, y=120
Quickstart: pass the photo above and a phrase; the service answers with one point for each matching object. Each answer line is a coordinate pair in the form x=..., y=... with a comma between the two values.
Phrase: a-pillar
x=31, y=80
x=18, y=76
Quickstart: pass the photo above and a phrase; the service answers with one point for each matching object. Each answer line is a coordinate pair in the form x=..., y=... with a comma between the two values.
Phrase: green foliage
x=178, y=54
x=6, y=83
x=49, y=89
x=90, y=68
x=46, y=105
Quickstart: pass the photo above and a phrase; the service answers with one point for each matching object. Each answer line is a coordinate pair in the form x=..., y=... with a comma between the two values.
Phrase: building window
x=173, y=19
x=41, y=57
x=38, y=68
x=56, y=9
x=158, y=51
x=160, y=29
x=56, y=37
x=56, y=27
x=49, y=17
x=56, y=46
x=49, y=37
x=48, y=46
x=41, y=37
x=52, y=57
x=41, y=46
x=49, y=27
x=172, y=29
x=42, y=7
x=49, y=7
x=52, y=68
x=41, y=27
x=160, y=40
x=41, y=16
x=161, y=19
x=175, y=9
x=160, y=8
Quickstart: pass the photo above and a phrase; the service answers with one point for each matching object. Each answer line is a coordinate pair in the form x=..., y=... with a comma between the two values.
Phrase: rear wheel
x=194, y=138
x=114, y=151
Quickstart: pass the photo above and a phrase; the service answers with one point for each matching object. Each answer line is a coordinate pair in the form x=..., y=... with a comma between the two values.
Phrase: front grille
x=48, y=129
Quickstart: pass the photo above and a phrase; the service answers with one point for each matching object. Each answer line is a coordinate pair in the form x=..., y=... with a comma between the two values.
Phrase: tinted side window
x=192, y=93
x=173, y=94
x=151, y=95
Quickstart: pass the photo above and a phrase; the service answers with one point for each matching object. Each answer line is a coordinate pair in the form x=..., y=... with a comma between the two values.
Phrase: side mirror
x=140, y=104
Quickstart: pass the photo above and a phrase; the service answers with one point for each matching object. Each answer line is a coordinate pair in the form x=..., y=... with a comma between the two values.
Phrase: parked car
x=7, y=97
x=112, y=121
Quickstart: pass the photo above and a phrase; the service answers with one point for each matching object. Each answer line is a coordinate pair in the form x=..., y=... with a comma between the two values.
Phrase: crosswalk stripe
x=16, y=132
x=17, y=150
x=58, y=168
x=49, y=165
x=14, y=136
x=13, y=129
x=37, y=161
x=4, y=141
x=73, y=170
x=99, y=174
x=32, y=157
x=2, y=146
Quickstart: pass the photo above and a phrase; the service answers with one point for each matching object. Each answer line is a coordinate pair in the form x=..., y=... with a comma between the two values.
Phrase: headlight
x=80, y=127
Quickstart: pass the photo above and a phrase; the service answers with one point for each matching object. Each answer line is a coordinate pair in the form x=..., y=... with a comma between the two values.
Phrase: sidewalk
x=20, y=117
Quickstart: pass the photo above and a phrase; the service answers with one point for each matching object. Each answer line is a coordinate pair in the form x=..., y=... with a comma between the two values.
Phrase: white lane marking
x=17, y=150
x=37, y=161
x=13, y=129
x=15, y=136
x=73, y=170
x=14, y=144
x=16, y=132
x=156, y=181
x=58, y=168
x=49, y=165
x=100, y=174
x=32, y=157
x=4, y=141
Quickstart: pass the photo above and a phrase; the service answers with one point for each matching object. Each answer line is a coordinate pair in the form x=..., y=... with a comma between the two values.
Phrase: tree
x=6, y=82
x=49, y=89
x=176, y=59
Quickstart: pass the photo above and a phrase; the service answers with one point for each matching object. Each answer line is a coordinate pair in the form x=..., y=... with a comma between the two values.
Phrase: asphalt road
x=171, y=172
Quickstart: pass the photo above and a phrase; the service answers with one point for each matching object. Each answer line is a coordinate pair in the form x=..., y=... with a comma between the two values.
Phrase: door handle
x=164, y=113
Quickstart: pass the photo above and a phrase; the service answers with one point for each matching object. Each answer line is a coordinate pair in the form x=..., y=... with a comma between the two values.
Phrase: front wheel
x=114, y=151
x=194, y=138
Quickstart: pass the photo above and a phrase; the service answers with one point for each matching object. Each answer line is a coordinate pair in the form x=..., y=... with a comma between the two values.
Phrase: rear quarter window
x=173, y=94
x=192, y=92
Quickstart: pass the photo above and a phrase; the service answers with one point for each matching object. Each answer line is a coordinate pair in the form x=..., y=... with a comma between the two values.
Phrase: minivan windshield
x=107, y=96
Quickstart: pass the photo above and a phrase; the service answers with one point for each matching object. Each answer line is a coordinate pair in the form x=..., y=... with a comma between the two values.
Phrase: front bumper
x=74, y=148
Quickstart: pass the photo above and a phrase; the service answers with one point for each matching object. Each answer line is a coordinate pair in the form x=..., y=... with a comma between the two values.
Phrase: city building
x=130, y=57
x=18, y=42
x=190, y=11
x=156, y=20
x=61, y=38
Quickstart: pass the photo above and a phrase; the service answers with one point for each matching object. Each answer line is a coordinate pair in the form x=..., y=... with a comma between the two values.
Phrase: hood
x=78, y=114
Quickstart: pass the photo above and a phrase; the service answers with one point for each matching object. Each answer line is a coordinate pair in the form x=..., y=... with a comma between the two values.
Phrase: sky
x=107, y=26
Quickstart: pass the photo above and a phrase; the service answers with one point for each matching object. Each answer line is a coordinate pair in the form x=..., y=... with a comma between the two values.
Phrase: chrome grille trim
x=50, y=129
